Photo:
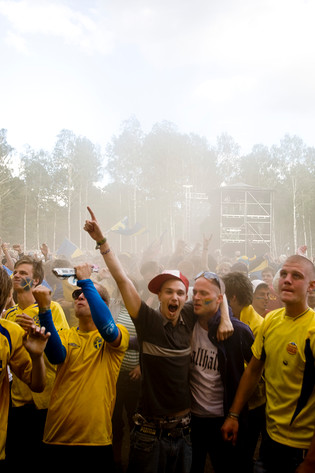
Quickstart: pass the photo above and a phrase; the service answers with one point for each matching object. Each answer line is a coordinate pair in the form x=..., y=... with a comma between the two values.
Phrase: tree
x=76, y=166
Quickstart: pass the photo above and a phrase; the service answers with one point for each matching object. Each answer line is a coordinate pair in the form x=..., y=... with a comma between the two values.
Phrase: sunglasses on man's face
x=76, y=294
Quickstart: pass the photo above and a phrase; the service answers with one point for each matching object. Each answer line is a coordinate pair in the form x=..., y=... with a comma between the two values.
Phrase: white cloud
x=17, y=42
x=244, y=67
x=31, y=18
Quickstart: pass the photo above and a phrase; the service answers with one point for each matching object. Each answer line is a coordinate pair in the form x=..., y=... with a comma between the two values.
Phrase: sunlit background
x=145, y=109
x=244, y=67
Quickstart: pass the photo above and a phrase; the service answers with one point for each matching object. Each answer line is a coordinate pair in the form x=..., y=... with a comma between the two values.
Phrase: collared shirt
x=165, y=358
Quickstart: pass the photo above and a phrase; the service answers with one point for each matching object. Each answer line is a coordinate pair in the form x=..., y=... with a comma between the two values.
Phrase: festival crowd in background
x=144, y=354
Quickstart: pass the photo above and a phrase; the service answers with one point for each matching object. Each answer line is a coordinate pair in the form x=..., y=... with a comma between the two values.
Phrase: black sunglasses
x=76, y=294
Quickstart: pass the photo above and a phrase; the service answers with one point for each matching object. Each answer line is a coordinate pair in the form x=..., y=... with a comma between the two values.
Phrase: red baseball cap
x=156, y=283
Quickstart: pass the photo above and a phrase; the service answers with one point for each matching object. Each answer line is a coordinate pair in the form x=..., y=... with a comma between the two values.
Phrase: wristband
x=105, y=252
x=99, y=243
x=233, y=415
x=42, y=310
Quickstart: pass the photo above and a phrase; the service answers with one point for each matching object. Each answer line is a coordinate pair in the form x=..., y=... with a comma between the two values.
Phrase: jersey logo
x=292, y=348
x=98, y=342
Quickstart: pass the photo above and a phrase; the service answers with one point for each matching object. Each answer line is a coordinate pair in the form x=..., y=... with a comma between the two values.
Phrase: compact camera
x=65, y=273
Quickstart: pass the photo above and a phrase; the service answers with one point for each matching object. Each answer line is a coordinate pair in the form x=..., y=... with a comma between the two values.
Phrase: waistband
x=163, y=422
x=158, y=432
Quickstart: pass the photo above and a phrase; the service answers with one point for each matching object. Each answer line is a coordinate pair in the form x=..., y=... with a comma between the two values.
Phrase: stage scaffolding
x=246, y=219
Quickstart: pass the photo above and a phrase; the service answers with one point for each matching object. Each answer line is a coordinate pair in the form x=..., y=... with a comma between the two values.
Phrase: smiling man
x=285, y=349
x=29, y=409
x=160, y=441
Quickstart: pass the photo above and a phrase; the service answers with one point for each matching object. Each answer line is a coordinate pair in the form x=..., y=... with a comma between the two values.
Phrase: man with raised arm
x=160, y=441
x=78, y=427
x=285, y=349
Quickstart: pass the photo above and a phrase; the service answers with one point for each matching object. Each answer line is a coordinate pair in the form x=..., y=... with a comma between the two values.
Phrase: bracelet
x=105, y=252
x=233, y=415
x=99, y=243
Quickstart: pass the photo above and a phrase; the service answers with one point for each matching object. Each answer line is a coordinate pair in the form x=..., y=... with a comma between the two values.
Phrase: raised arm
x=128, y=291
x=9, y=261
x=100, y=312
x=225, y=328
x=55, y=351
x=35, y=342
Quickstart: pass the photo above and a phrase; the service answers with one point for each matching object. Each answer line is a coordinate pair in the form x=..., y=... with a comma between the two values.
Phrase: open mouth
x=173, y=308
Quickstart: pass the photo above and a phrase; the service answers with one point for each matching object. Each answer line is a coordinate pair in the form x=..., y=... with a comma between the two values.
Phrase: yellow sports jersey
x=287, y=345
x=14, y=355
x=83, y=397
x=251, y=318
x=20, y=392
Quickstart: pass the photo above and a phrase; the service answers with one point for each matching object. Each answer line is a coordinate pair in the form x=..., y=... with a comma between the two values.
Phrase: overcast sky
x=244, y=67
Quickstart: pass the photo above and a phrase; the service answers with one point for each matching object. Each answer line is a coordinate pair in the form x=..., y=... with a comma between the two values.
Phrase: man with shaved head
x=285, y=349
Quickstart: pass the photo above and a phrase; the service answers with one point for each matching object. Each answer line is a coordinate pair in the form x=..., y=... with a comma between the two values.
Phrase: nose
x=287, y=279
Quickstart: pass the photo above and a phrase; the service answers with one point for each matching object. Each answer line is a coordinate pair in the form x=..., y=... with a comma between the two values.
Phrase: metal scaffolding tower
x=246, y=218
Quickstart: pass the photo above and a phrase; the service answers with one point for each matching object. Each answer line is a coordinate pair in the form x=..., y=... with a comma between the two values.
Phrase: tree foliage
x=148, y=178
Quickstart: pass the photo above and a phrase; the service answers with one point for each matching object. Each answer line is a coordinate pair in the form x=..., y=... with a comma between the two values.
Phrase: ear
x=35, y=282
x=311, y=286
x=220, y=298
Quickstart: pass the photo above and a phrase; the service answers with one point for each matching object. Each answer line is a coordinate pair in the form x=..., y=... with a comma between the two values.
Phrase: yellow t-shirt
x=83, y=397
x=251, y=318
x=286, y=343
x=14, y=355
x=20, y=392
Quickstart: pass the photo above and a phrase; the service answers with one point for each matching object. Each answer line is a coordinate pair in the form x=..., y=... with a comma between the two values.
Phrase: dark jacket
x=232, y=353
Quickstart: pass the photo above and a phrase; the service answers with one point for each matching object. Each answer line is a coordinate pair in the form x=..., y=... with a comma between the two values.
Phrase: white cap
x=258, y=282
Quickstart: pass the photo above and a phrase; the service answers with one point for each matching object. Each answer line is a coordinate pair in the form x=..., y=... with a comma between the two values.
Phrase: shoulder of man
x=12, y=332
x=10, y=313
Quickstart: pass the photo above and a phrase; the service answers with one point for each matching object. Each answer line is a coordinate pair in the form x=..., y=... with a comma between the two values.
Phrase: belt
x=163, y=422
x=159, y=432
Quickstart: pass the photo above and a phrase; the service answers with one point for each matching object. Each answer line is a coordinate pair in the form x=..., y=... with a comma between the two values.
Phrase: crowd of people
x=157, y=363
